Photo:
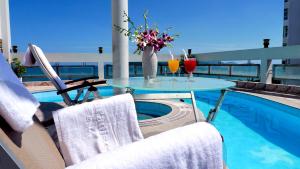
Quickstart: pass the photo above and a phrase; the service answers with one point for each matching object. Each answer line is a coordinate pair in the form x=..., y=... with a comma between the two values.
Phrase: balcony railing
x=65, y=72
x=234, y=70
x=286, y=72
x=246, y=71
x=220, y=70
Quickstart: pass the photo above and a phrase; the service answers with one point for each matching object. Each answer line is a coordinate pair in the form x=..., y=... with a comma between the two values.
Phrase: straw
x=171, y=55
x=185, y=55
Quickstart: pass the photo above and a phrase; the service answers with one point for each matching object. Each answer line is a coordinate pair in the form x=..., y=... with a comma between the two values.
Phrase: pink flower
x=152, y=38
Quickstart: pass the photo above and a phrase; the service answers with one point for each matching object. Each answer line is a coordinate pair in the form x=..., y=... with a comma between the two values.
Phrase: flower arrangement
x=144, y=36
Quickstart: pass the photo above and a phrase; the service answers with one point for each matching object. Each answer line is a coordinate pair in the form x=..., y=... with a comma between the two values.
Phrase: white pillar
x=5, y=28
x=101, y=69
x=266, y=71
x=120, y=51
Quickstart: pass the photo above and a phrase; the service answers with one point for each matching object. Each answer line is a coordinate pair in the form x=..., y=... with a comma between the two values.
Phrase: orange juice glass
x=173, y=65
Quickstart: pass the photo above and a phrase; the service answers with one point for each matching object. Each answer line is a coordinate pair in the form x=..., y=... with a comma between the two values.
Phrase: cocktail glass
x=173, y=65
x=190, y=66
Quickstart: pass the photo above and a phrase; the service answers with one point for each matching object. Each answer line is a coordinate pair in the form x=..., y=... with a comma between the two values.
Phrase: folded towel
x=28, y=58
x=17, y=105
x=197, y=146
x=91, y=128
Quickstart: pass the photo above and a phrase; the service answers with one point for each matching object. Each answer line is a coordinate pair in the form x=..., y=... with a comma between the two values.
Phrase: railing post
x=100, y=69
x=266, y=72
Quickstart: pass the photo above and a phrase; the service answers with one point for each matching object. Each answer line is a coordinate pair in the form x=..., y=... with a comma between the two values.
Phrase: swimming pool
x=142, y=108
x=259, y=134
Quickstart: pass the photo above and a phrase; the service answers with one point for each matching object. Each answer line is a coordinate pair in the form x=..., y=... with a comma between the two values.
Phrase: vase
x=149, y=63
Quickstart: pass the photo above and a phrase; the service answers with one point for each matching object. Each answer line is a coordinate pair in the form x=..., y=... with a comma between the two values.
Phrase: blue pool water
x=259, y=134
x=144, y=109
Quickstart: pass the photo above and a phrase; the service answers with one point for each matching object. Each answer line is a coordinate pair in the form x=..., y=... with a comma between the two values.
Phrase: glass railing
x=231, y=71
x=246, y=71
x=286, y=72
x=234, y=70
x=65, y=72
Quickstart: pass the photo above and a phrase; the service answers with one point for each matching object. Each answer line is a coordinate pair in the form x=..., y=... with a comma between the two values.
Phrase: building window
x=285, y=15
x=285, y=31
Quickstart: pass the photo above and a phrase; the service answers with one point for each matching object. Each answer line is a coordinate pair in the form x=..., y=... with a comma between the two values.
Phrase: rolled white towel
x=197, y=146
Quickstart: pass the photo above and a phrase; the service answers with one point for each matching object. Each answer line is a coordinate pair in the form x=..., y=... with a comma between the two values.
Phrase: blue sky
x=203, y=25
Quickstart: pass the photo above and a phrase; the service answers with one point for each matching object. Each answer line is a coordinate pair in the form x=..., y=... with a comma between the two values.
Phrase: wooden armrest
x=81, y=79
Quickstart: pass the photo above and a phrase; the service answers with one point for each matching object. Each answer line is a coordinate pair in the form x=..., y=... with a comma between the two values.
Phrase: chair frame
x=85, y=83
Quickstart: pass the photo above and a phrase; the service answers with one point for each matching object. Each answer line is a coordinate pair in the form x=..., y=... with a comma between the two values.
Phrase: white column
x=5, y=28
x=101, y=69
x=266, y=72
x=120, y=51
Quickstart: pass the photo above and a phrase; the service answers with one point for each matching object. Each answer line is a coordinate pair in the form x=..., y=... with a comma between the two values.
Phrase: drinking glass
x=189, y=66
x=173, y=65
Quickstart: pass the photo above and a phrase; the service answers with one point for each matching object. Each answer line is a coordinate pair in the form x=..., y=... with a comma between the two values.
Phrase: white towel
x=28, y=58
x=91, y=128
x=17, y=105
x=197, y=146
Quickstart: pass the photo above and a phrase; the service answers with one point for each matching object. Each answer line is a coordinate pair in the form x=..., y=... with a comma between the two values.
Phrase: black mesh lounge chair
x=61, y=86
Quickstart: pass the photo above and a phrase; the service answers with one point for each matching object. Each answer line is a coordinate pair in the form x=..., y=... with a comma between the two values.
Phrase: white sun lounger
x=61, y=86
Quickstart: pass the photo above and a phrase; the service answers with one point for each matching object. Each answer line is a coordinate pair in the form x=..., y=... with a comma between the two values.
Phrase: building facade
x=291, y=25
x=291, y=33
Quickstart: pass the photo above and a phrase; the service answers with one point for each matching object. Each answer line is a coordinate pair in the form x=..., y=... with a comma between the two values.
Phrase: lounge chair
x=61, y=86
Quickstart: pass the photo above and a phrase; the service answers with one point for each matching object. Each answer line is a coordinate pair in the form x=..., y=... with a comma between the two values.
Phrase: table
x=175, y=88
